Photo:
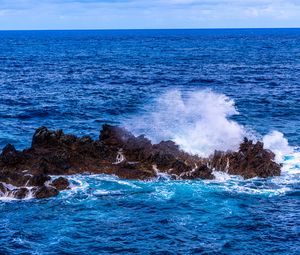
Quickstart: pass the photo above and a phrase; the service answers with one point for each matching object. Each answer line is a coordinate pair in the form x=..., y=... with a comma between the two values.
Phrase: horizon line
x=132, y=29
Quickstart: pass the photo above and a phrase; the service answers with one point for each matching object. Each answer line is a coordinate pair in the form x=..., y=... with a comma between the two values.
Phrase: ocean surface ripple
x=205, y=89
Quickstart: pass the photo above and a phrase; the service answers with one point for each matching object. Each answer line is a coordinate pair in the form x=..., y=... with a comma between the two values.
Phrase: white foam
x=276, y=142
x=198, y=122
x=160, y=175
x=9, y=193
x=279, y=185
x=120, y=158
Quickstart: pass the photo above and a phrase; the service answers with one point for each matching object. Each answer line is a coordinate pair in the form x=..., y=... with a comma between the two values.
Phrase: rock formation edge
x=28, y=173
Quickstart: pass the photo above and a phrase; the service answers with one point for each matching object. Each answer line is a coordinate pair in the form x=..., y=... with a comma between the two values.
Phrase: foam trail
x=199, y=122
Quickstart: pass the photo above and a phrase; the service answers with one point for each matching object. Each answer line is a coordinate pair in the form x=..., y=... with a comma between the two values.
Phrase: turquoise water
x=204, y=89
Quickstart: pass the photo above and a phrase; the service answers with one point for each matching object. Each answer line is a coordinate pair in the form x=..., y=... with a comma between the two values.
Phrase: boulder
x=45, y=137
x=60, y=184
x=45, y=192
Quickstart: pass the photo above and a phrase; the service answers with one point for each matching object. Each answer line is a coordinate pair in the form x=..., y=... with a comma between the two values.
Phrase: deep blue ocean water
x=185, y=85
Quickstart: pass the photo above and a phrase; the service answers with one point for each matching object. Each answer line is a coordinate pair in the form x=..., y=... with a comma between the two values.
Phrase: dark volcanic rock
x=60, y=183
x=202, y=172
x=44, y=137
x=38, y=180
x=14, y=178
x=3, y=189
x=252, y=160
x=120, y=153
x=19, y=193
x=45, y=192
x=10, y=156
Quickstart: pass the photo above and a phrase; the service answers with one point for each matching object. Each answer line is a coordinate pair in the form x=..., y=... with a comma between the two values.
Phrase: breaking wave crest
x=198, y=122
x=276, y=142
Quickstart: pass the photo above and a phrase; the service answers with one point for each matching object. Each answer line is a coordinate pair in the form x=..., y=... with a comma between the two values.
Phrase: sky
x=140, y=14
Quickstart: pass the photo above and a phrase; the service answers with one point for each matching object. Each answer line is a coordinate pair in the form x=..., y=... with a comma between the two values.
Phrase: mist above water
x=199, y=122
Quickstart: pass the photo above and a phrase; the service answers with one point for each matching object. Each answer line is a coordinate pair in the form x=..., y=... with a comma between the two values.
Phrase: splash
x=276, y=142
x=198, y=122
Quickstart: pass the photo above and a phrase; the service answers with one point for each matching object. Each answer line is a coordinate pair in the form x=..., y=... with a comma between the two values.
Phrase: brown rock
x=60, y=183
x=19, y=193
x=252, y=160
x=45, y=192
x=10, y=156
x=38, y=180
x=120, y=153
x=3, y=189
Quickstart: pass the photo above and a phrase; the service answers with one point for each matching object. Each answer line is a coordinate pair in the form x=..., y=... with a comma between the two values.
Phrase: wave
x=276, y=142
x=199, y=122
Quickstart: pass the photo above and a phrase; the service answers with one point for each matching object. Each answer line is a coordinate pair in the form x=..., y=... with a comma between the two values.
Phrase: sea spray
x=276, y=142
x=199, y=122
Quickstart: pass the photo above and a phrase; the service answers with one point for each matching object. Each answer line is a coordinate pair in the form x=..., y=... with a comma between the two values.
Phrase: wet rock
x=252, y=160
x=202, y=172
x=120, y=153
x=60, y=184
x=169, y=147
x=134, y=174
x=114, y=136
x=178, y=167
x=10, y=156
x=60, y=161
x=45, y=192
x=14, y=178
x=19, y=193
x=3, y=189
x=38, y=180
x=164, y=161
x=45, y=137
x=134, y=148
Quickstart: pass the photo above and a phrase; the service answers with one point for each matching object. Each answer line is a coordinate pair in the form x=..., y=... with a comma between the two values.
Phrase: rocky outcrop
x=252, y=160
x=27, y=173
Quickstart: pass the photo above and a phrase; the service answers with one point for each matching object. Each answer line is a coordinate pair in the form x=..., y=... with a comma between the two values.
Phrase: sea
x=204, y=89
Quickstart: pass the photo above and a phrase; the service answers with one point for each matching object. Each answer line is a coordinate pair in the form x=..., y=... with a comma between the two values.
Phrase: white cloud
x=55, y=14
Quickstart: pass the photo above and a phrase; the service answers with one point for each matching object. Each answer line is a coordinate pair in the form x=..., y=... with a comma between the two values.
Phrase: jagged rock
x=10, y=156
x=120, y=153
x=252, y=160
x=19, y=179
x=178, y=167
x=202, y=172
x=114, y=136
x=43, y=136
